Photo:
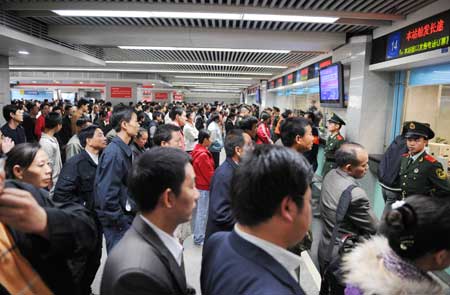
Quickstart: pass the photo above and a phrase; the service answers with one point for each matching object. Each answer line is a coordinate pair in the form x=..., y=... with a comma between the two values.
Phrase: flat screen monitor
x=331, y=86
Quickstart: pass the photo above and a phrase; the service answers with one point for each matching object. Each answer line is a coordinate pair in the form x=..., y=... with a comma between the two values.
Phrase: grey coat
x=359, y=219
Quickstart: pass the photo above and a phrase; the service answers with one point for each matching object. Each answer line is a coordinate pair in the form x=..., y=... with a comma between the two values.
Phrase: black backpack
x=389, y=168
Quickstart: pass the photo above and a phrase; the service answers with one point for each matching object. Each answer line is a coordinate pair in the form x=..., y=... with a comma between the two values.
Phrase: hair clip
x=405, y=244
x=398, y=204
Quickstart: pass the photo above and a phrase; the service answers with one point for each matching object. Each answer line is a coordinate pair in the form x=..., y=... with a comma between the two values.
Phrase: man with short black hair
x=296, y=133
x=168, y=135
x=352, y=161
x=220, y=217
x=178, y=118
x=12, y=129
x=249, y=124
x=29, y=121
x=82, y=109
x=49, y=143
x=76, y=184
x=73, y=146
x=113, y=202
x=149, y=259
x=271, y=202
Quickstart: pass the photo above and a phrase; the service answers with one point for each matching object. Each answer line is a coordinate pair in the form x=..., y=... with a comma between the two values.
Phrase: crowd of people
x=146, y=176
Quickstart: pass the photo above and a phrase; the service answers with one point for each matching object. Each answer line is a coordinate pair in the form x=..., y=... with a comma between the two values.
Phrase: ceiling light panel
x=213, y=77
x=197, y=15
x=137, y=71
x=192, y=64
x=203, y=49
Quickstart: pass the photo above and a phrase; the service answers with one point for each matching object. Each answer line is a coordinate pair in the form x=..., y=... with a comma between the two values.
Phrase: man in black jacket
x=46, y=233
x=76, y=184
x=389, y=169
x=220, y=217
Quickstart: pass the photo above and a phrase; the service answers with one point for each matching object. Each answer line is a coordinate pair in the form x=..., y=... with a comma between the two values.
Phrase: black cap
x=416, y=129
x=335, y=119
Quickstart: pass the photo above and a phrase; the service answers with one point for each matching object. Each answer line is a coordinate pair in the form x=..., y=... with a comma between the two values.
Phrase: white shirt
x=416, y=156
x=169, y=241
x=288, y=260
x=93, y=157
x=190, y=136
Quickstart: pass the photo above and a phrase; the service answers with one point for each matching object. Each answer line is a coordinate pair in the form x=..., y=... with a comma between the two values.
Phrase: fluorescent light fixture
x=149, y=14
x=202, y=49
x=214, y=90
x=220, y=78
x=289, y=18
x=212, y=84
x=197, y=15
x=24, y=52
x=137, y=71
x=192, y=64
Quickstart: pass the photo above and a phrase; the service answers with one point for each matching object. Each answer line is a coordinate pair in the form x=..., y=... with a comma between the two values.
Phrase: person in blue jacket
x=113, y=203
x=270, y=197
x=220, y=217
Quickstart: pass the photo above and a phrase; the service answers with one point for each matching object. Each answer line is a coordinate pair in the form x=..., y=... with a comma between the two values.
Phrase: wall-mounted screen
x=331, y=86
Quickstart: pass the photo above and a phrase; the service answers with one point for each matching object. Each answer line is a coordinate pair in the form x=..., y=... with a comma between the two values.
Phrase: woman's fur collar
x=365, y=270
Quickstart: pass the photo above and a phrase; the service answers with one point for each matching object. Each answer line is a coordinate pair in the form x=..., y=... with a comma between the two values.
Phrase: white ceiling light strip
x=136, y=71
x=219, y=78
x=198, y=15
x=281, y=51
x=214, y=90
x=192, y=64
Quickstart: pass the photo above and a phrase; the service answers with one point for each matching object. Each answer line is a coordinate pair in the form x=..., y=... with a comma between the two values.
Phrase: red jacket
x=39, y=126
x=203, y=163
x=262, y=134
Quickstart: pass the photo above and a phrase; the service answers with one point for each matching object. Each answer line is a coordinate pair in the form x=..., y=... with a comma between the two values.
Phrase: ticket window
x=431, y=104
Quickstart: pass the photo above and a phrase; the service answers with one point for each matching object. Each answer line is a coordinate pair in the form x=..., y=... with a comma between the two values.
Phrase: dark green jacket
x=424, y=176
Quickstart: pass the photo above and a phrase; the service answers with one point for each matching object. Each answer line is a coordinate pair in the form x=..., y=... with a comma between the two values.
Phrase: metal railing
x=40, y=30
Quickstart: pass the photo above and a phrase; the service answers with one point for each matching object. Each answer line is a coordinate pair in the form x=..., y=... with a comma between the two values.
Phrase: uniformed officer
x=334, y=142
x=421, y=173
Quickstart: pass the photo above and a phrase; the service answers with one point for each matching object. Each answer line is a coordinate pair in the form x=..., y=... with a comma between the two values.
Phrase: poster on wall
x=121, y=92
x=161, y=95
x=178, y=96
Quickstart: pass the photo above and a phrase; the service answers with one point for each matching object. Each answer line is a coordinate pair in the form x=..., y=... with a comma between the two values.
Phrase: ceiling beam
x=194, y=37
x=30, y=9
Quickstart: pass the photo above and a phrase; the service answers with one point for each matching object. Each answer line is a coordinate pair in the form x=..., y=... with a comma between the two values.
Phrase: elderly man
x=353, y=162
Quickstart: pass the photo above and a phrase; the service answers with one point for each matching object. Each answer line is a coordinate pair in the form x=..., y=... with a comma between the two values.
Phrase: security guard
x=334, y=142
x=421, y=173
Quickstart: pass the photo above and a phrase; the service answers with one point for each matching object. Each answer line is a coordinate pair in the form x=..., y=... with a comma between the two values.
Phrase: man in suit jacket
x=149, y=259
x=220, y=217
x=270, y=197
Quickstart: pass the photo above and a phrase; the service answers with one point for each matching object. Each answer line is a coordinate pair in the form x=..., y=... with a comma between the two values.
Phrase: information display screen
x=331, y=86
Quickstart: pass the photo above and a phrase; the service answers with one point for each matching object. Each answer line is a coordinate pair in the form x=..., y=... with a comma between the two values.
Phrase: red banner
x=161, y=95
x=178, y=96
x=121, y=92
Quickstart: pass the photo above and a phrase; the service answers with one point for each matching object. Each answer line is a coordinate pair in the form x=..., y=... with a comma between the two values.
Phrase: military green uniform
x=424, y=176
x=334, y=142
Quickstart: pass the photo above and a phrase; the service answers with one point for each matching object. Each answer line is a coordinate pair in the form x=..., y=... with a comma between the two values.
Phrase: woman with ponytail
x=415, y=239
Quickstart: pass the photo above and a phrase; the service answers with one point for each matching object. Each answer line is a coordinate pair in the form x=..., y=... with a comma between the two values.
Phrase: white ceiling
x=89, y=41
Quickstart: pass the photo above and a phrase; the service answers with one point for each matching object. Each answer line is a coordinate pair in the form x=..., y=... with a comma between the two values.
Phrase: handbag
x=332, y=280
